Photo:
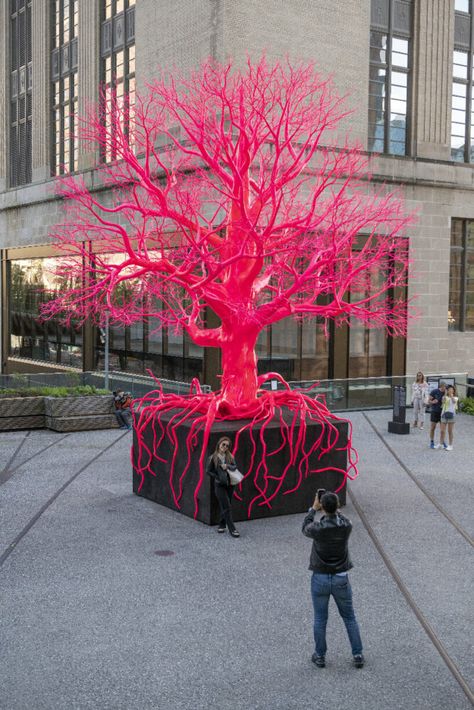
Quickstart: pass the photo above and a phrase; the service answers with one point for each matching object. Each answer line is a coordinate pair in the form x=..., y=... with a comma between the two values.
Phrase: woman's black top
x=220, y=476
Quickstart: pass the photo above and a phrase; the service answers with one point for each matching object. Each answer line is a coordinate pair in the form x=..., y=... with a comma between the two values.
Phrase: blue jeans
x=322, y=586
x=122, y=418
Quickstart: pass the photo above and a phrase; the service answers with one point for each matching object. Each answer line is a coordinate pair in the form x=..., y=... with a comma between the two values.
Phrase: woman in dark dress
x=218, y=467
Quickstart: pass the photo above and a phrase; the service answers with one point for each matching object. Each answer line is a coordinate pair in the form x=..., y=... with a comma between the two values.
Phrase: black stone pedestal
x=398, y=424
x=398, y=428
x=157, y=487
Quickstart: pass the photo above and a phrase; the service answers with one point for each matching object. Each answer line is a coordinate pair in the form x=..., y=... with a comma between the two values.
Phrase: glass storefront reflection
x=32, y=282
x=298, y=350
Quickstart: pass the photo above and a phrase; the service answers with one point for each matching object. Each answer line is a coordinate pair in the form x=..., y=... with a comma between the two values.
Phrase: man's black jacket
x=330, y=535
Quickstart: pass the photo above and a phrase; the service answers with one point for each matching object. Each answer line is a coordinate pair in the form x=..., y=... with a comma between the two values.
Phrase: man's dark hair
x=330, y=503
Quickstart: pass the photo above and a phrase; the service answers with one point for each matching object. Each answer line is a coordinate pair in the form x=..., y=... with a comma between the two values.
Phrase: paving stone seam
x=6, y=469
x=437, y=643
x=8, y=472
x=51, y=500
x=420, y=485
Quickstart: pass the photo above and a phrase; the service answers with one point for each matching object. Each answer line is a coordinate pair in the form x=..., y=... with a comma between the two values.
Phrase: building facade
x=407, y=67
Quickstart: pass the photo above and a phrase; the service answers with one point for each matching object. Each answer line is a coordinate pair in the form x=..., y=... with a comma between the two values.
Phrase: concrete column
x=433, y=51
x=89, y=71
x=41, y=105
x=4, y=94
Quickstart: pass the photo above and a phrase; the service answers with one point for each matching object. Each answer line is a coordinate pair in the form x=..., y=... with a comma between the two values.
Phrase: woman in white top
x=419, y=394
x=448, y=417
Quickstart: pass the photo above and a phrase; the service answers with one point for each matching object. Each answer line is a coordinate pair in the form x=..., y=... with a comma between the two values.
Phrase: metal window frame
x=463, y=250
x=397, y=33
x=20, y=87
x=64, y=65
x=110, y=47
x=464, y=43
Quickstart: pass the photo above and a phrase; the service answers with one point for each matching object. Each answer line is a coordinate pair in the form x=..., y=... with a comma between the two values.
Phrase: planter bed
x=80, y=413
x=72, y=413
x=21, y=413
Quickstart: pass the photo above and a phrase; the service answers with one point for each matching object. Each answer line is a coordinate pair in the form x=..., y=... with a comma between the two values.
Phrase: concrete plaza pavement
x=109, y=601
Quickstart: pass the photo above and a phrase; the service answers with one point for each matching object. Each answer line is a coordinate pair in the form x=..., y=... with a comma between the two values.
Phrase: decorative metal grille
x=20, y=93
x=64, y=64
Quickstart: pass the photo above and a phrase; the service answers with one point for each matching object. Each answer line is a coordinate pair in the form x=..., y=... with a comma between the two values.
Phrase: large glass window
x=118, y=64
x=314, y=351
x=147, y=344
x=461, y=276
x=64, y=63
x=20, y=93
x=389, y=76
x=367, y=346
x=31, y=282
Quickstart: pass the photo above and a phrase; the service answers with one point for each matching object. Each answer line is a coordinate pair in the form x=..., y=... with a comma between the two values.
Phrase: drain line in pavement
x=40, y=512
x=6, y=469
x=411, y=602
x=422, y=488
x=8, y=472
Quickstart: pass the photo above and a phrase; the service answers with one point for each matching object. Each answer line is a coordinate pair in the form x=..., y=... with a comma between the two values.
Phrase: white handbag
x=235, y=477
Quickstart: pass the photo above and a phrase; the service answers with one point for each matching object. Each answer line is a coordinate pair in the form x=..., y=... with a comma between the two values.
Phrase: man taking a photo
x=330, y=563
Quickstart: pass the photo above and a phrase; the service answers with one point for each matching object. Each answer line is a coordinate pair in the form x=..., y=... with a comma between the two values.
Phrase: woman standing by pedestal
x=448, y=416
x=419, y=394
x=219, y=467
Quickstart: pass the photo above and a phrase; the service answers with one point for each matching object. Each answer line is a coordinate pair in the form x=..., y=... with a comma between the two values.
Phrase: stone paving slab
x=446, y=474
x=32, y=484
x=433, y=559
x=93, y=618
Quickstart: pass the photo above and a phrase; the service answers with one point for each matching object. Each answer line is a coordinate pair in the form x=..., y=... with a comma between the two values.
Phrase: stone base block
x=158, y=488
x=398, y=428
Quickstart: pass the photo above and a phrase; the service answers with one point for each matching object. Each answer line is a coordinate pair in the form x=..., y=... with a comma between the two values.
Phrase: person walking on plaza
x=419, y=395
x=449, y=408
x=221, y=467
x=435, y=400
x=330, y=563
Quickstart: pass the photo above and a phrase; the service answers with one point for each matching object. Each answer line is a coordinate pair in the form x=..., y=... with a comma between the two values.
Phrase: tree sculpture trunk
x=239, y=371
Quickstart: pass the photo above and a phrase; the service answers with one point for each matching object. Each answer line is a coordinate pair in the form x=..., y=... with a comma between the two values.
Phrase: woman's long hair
x=422, y=377
x=228, y=455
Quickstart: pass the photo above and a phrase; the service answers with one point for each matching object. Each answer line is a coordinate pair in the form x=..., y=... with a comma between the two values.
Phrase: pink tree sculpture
x=228, y=192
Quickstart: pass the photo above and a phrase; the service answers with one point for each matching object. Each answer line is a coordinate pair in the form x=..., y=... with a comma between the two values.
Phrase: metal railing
x=368, y=392
x=138, y=385
x=341, y=395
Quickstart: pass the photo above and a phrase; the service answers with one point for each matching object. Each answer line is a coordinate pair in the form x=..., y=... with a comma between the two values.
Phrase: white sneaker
x=436, y=446
x=449, y=448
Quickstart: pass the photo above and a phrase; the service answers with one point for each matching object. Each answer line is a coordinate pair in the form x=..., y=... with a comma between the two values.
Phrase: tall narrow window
x=462, y=108
x=118, y=61
x=65, y=16
x=461, y=276
x=390, y=76
x=20, y=92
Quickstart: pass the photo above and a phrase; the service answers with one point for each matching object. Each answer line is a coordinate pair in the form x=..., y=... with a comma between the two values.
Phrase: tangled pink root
x=201, y=410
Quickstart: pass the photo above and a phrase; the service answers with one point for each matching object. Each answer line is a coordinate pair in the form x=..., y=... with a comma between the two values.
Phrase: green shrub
x=78, y=391
x=466, y=405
